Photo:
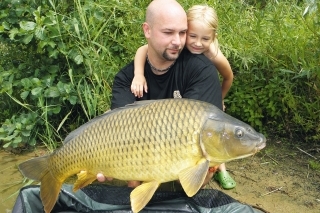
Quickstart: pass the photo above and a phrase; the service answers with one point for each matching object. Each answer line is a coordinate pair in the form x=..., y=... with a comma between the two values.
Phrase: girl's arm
x=139, y=83
x=223, y=66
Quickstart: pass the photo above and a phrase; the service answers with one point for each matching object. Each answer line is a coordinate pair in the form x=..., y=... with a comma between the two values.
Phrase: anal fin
x=192, y=178
x=142, y=194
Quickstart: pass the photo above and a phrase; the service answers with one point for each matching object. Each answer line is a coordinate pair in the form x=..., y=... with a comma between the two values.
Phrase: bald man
x=171, y=71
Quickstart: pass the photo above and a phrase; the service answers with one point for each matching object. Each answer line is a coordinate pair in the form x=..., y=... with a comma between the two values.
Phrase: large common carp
x=150, y=141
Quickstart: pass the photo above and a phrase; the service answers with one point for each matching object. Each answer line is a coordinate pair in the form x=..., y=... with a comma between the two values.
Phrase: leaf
x=53, y=69
x=56, y=109
x=67, y=88
x=53, y=53
x=52, y=92
x=26, y=83
x=32, y=142
x=27, y=38
x=78, y=59
x=18, y=126
x=40, y=33
x=70, y=71
x=73, y=100
x=29, y=127
x=17, y=140
x=36, y=91
x=6, y=25
x=63, y=120
x=60, y=87
x=36, y=81
x=13, y=32
x=27, y=25
x=53, y=32
x=6, y=145
x=306, y=11
x=9, y=137
x=24, y=95
x=25, y=133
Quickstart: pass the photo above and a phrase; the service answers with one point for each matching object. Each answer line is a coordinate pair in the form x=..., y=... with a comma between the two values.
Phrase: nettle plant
x=61, y=60
x=273, y=50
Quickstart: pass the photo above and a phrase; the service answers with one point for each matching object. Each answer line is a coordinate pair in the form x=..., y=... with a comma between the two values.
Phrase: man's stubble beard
x=166, y=56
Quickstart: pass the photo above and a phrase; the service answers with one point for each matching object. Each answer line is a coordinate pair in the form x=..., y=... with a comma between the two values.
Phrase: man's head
x=165, y=29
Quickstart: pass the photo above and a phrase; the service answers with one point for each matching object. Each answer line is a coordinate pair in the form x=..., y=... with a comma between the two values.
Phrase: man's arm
x=121, y=93
x=205, y=85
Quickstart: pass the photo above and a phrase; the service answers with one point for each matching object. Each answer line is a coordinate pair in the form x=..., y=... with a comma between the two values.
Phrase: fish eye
x=239, y=133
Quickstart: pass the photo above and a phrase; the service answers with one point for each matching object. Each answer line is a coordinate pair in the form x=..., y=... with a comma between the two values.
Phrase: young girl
x=201, y=39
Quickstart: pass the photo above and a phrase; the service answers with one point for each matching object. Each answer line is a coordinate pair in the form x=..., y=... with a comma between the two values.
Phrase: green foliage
x=58, y=60
x=19, y=131
x=314, y=165
x=274, y=52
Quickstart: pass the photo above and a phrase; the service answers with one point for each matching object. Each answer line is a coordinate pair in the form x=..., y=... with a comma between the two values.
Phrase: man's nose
x=177, y=40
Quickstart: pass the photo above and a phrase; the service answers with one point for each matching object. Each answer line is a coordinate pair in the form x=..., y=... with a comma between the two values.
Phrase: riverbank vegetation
x=58, y=60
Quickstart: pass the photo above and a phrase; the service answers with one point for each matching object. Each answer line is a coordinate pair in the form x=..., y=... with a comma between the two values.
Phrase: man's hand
x=135, y=183
x=131, y=183
x=102, y=178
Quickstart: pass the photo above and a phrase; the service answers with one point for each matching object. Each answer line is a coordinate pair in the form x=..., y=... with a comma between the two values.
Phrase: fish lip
x=261, y=146
x=262, y=143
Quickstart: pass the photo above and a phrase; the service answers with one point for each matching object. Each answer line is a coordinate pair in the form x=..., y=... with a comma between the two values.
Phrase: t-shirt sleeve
x=121, y=93
x=204, y=85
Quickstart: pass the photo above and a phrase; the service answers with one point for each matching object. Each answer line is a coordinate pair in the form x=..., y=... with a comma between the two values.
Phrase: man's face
x=167, y=36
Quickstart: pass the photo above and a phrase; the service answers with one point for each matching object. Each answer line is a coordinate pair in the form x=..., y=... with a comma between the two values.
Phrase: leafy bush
x=58, y=60
x=273, y=47
x=62, y=60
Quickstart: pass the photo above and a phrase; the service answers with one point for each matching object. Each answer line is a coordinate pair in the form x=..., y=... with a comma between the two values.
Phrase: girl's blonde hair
x=208, y=16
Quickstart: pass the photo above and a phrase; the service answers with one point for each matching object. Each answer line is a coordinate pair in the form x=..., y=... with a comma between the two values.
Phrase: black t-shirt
x=192, y=76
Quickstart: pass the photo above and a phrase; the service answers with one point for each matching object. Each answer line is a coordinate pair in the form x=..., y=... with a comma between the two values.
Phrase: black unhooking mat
x=103, y=198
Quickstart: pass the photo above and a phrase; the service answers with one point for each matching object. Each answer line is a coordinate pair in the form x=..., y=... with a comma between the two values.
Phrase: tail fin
x=38, y=169
x=34, y=168
x=49, y=191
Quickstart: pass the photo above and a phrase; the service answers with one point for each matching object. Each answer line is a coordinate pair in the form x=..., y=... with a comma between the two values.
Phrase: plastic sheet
x=103, y=198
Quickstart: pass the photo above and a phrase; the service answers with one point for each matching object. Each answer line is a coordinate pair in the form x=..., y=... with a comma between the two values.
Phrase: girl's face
x=199, y=37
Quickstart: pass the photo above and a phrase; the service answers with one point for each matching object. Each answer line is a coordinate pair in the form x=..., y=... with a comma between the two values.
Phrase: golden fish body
x=150, y=141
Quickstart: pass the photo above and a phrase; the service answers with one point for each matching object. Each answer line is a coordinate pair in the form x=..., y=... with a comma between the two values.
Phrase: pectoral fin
x=84, y=179
x=192, y=178
x=142, y=194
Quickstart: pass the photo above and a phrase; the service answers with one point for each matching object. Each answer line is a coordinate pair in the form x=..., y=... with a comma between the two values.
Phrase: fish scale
x=150, y=141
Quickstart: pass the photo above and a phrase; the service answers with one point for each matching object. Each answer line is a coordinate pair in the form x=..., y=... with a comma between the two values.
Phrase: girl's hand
x=139, y=84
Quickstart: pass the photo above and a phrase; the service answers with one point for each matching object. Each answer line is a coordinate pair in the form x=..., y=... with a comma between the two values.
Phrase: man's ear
x=146, y=30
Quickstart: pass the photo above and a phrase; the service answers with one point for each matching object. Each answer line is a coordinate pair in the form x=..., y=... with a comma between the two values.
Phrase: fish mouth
x=261, y=146
x=262, y=143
